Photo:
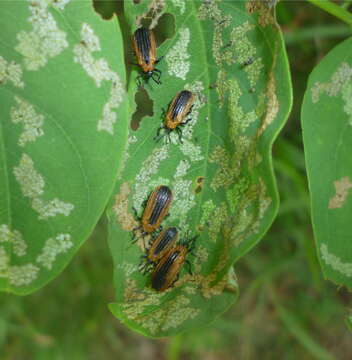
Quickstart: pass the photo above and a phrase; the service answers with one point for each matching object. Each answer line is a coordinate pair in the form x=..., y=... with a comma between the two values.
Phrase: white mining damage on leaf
x=335, y=262
x=32, y=122
x=99, y=70
x=45, y=40
x=228, y=220
x=342, y=187
x=20, y=275
x=12, y=72
x=177, y=58
x=32, y=186
x=37, y=46
x=339, y=85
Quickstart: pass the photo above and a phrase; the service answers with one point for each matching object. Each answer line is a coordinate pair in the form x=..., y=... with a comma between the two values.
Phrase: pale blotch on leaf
x=210, y=10
x=193, y=151
x=44, y=41
x=177, y=57
x=127, y=268
x=149, y=167
x=169, y=315
x=335, y=262
x=250, y=211
x=32, y=186
x=241, y=47
x=4, y=262
x=31, y=182
x=207, y=209
x=25, y=113
x=216, y=221
x=273, y=104
x=120, y=208
x=5, y=233
x=15, y=238
x=201, y=257
x=22, y=274
x=180, y=4
x=99, y=70
x=236, y=192
x=225, y=174
x=52, y=248
x=184, y=200
x=264, y=10
x=347, y=98
x=182, y=168
x=51, y=208
x=341, y=77
x=240, y=120
x=342, y=188
x=176, y=312
x=12, y=72
x=254, y=71
x=131, y=140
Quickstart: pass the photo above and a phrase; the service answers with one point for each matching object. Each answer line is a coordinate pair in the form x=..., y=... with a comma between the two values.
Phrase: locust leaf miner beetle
x=168, y=269
x=144, y=46
x=159, y=247
x=179, y=109
x=156, y=209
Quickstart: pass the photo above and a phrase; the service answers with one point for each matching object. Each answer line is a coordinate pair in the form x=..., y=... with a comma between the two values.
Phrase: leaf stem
x=334, y=10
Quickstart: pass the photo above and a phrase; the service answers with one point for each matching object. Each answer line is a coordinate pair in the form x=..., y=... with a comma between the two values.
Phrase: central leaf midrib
x=206, y=73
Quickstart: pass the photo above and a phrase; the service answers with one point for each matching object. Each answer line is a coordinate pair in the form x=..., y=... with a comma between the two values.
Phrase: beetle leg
x=186, y=122
x=179, y=133
x=135, y=213
x=190, y=110
x=156, y=78
x=157, y=137
x=189, y=267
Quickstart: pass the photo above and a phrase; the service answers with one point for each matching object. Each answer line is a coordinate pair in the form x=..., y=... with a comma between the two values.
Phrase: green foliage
x=61, y=90
x=230, y=54
x=327, y=134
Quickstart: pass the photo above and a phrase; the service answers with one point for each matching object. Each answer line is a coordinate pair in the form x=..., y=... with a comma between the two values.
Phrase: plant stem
x=334, y=10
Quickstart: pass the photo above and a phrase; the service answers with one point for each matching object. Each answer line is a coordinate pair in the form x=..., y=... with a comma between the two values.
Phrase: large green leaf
x=63, y=123
x=231, y=55
x=327, y=134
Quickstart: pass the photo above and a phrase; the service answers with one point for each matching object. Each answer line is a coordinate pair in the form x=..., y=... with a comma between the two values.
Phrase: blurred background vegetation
x=285, y=311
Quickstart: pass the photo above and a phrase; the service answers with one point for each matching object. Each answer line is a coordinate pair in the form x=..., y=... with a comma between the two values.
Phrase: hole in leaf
x=144, y=108
x=199, y=184
x=165, y=29
x=136, y=1
x=107, y=8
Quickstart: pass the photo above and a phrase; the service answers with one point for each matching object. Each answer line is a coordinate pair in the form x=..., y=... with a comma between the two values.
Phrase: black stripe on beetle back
x=161, y=200
x=180, y=103
x=142, y=36
x=160, y=277
x=169, y=235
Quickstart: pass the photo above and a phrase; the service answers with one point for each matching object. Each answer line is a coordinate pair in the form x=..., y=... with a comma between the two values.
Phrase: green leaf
x=231, y=55
x=327, y=135
x=61, y=90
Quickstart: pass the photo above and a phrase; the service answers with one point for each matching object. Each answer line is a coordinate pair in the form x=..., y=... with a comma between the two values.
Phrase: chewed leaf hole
x=165, y=28
x=106, y=8
x=144, y=108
